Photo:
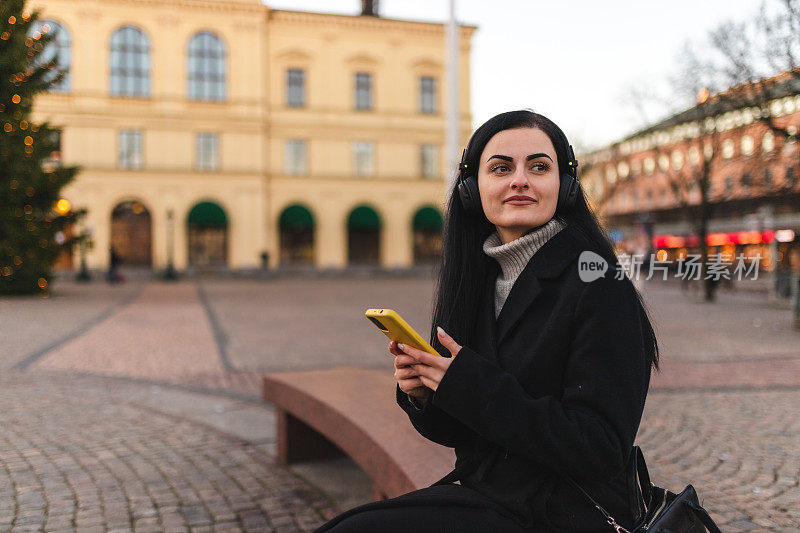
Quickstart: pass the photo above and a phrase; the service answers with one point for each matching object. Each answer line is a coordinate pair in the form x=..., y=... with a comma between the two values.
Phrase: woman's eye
x=540, y=167
x=499, y=168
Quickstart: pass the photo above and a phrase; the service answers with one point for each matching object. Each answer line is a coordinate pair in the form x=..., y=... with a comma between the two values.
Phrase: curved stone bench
x=352, y=411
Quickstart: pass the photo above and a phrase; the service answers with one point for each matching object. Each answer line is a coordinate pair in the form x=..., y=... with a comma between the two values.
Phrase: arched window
x=747, y=145
x=611, y=174
x=206, y=67
x=427, y=231
x=677, y=159
x=728, y=148
x=130, y=63
x=623, y=169
x=363, y=236
x=58, y=49
x=768, y=142
x=649, y=166
x=296, y=235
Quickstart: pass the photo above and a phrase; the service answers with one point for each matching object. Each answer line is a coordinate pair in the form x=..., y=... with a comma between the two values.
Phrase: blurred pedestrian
x=114, y=260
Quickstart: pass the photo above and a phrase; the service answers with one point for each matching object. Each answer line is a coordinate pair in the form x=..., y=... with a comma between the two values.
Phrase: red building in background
x=717, y=161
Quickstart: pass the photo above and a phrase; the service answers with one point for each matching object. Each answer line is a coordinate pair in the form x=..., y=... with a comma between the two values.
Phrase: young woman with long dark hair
x=547, y=356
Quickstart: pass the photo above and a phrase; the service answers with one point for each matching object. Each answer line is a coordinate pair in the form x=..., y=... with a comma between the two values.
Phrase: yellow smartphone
x=393, y=326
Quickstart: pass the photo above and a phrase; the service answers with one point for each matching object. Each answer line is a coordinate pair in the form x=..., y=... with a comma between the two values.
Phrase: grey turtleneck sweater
x=514, y=255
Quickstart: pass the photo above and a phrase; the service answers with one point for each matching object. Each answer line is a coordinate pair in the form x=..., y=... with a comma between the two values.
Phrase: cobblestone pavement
x=740, y=450
x=75, y=452
x=721, y=415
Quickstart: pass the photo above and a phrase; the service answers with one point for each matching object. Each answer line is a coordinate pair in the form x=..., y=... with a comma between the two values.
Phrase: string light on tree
x=63, y=206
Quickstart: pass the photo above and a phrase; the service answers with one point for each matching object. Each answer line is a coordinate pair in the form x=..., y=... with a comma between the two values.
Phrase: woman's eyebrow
x=536, y=156
x=511, y=159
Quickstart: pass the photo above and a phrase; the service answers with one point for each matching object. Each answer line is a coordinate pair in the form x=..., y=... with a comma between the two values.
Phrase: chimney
x=369, y=8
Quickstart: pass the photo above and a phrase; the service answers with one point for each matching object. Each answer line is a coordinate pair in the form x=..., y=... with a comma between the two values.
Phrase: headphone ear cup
x=567, y=192
x=470, y=195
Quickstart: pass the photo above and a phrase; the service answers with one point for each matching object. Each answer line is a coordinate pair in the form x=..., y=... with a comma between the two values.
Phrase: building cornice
x=251, y=6
x=360, y=22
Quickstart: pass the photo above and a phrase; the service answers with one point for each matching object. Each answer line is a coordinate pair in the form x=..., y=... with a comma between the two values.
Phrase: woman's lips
x=520, y=200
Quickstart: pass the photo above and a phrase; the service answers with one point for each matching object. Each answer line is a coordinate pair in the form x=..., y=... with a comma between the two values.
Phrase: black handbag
x=657, y=510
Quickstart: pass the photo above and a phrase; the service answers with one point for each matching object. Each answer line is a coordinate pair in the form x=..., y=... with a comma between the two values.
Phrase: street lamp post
x=453, y=104
x=170, y=273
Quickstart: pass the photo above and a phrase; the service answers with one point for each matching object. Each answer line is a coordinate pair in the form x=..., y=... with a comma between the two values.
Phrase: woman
x=549, y=364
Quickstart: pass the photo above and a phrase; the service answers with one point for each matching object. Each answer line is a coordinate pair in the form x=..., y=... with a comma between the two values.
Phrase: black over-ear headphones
x=471, y=199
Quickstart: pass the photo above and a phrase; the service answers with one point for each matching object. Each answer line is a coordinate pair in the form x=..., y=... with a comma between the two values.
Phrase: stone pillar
x=181, y=241
x=330, y=240
x=158, y=236
x=98, y=223
x=396, y=240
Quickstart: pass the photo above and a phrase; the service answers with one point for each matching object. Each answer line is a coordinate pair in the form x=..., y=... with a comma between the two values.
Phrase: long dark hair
x=463, y=265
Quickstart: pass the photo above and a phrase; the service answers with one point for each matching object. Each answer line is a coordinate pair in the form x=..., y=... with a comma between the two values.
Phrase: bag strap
x=609, y=519
x=636, y=471
x=639, y=491
x=641, y=470
x=647, y=491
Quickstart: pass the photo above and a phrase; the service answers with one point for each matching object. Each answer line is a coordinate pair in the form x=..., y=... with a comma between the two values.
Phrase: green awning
x=296, y=217
x=427, y=218
x=363, y=218
x=207, y=214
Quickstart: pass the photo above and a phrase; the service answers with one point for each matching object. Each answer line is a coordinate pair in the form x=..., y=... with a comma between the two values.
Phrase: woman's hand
x=406, y=375
x=417, y=371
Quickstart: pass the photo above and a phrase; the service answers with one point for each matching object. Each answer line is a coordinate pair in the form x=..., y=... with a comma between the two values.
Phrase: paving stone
x=105, y=434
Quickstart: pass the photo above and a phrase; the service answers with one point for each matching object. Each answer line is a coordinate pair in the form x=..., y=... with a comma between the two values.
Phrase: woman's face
x=518, y=181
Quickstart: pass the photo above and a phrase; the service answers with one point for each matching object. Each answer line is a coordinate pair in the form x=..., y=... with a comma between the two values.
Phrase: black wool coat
x=554, y=387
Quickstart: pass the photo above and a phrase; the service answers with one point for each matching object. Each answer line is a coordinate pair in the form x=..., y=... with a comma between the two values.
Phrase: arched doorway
x=363, y=236
x=131, y=234
x=427, y=227
x=207, y=226
x=296, y=236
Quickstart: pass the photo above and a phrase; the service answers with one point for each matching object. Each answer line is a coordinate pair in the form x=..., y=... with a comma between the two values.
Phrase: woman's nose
x=519, y=180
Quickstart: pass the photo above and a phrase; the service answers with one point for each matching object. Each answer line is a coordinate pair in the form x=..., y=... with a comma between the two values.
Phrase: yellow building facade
x=213, y=132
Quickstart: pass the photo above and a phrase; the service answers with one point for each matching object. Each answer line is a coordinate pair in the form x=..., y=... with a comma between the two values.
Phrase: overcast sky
x=572, y=60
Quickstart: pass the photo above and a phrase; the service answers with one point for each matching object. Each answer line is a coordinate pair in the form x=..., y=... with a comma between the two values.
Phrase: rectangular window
x=295, y=87
x=207, y=152
x=130, y=149
x=427, y=95
x=363, y=91
x=364, y=158
x=429, y=160
x=296, y=158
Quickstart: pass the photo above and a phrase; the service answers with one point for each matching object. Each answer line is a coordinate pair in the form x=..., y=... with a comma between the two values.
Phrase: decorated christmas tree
x=33, y=216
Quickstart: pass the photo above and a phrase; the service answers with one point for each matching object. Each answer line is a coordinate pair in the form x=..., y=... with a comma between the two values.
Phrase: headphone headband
x=462, y=166
x=572, y=163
